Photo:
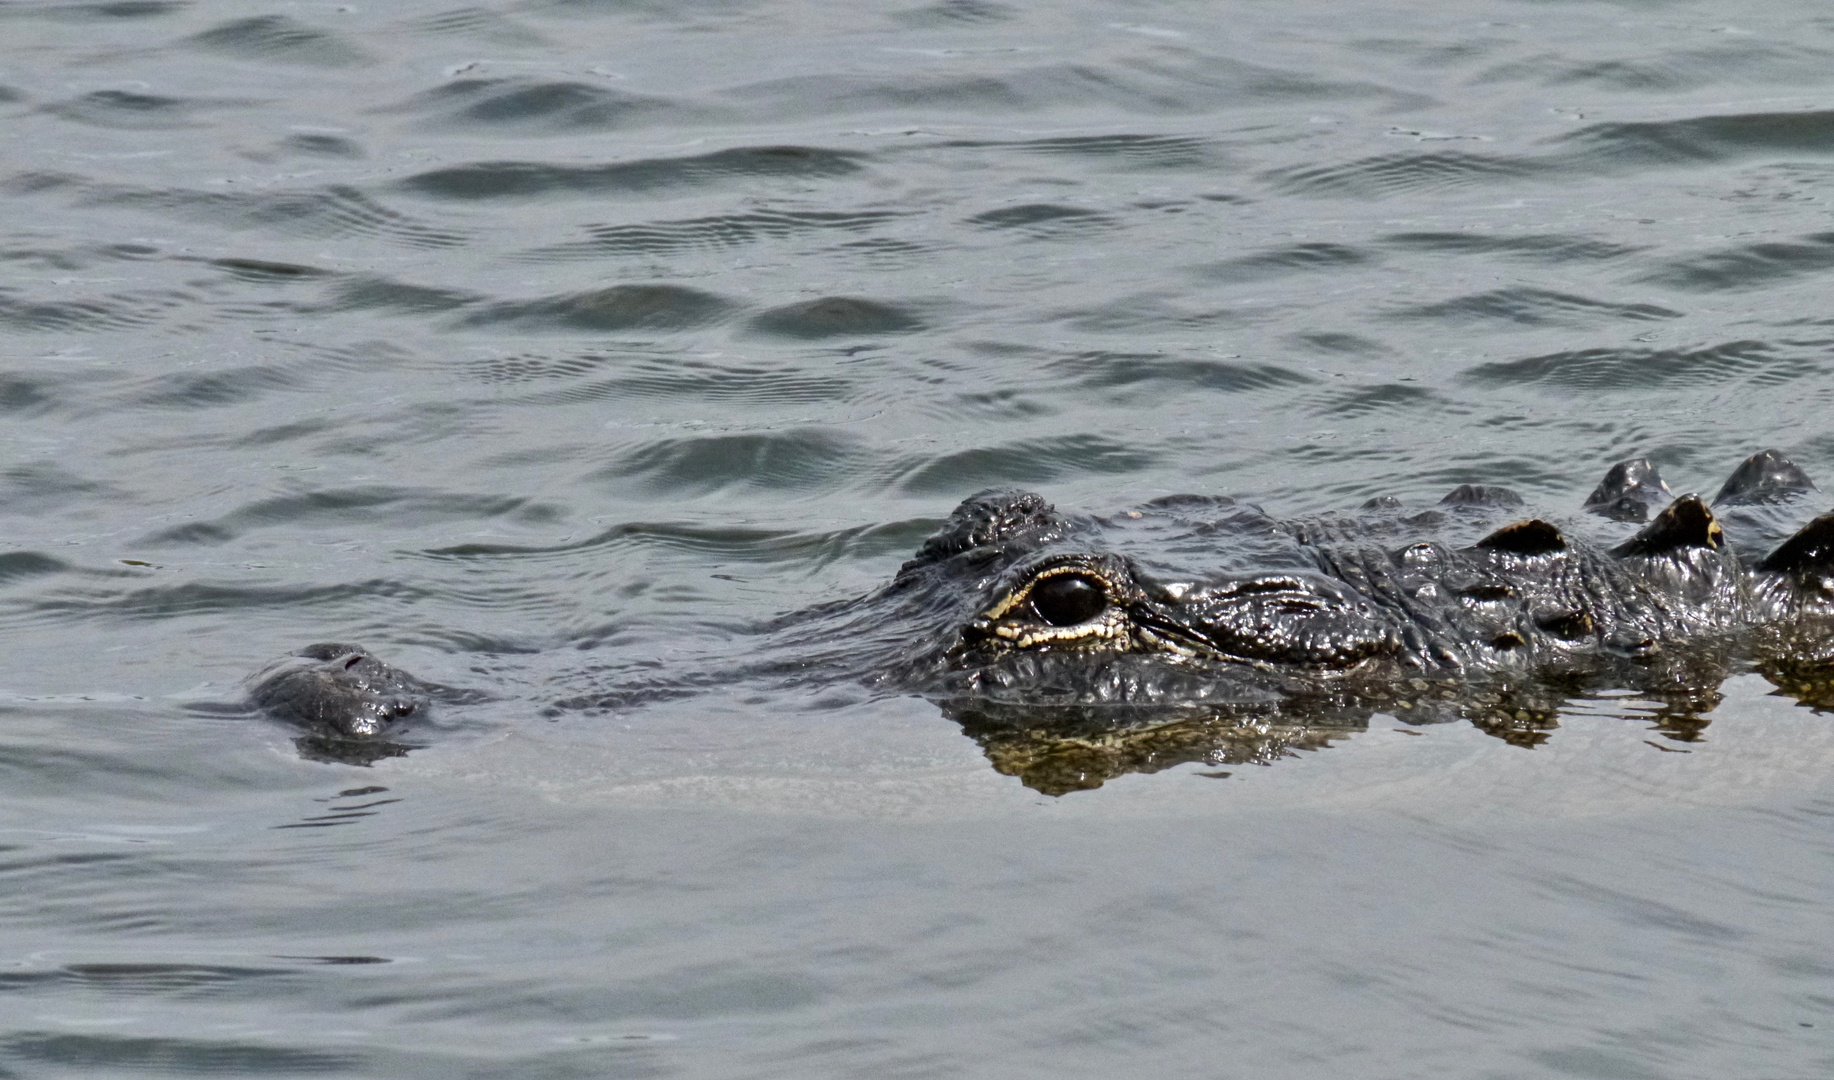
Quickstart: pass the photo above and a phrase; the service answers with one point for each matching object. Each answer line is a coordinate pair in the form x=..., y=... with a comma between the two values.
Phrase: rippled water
x=528, y=342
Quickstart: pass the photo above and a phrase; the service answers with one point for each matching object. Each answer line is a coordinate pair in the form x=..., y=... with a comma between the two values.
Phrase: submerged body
x=1197, y=628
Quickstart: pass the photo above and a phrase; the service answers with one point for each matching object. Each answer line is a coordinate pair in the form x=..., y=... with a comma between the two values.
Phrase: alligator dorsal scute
x=1480, y=495
x=1763, y=477
x=1629, y=491
x=1687, y=523
x=1571, y=624
x=1810, y=551
x=1531, y=537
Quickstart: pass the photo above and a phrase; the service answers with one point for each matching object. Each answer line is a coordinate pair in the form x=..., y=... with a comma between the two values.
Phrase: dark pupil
x=1068, y=599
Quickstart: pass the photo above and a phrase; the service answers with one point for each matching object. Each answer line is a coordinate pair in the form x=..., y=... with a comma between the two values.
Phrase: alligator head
x=1026, y=605
x=1103, y=603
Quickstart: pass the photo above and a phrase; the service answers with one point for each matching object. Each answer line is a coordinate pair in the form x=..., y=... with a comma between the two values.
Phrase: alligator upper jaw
x=1044, y=679
x=1141, y=677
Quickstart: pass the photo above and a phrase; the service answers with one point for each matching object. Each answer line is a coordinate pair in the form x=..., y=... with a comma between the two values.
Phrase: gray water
x=528, y=342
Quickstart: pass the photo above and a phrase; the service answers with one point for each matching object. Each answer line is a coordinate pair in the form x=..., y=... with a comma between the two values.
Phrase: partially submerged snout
x=335, y=689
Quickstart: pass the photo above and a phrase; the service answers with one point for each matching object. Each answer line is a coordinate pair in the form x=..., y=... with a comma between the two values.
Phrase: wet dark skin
x=1077, y=648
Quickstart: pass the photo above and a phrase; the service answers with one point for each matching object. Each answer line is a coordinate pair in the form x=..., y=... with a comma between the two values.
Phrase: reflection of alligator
x=1196, y=628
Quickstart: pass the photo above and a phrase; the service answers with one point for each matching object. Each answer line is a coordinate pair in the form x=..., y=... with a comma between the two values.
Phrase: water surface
x=525, y=342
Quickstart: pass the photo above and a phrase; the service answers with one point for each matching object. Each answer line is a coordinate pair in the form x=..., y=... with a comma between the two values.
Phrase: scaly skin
x=1303, y=630
x=1360, y=607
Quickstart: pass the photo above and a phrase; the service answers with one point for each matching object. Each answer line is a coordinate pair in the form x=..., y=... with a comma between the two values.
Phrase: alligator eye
x=1068, y=599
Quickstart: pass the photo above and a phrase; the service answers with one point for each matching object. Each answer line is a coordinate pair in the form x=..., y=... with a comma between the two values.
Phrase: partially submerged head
x=1102, y=603
x=1032, y=602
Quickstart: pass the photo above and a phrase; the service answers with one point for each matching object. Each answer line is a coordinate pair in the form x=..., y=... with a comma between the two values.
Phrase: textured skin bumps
x=1358, y=605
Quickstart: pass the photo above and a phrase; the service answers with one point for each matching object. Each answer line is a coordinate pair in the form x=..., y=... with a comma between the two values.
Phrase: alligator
x=1199, y=628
